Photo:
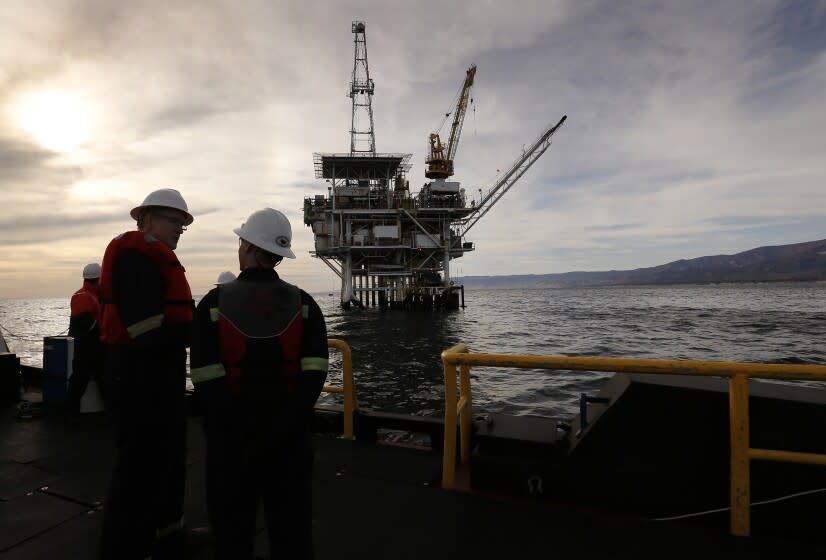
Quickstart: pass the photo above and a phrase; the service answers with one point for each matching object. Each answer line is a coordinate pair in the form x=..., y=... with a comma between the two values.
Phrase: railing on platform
x=737, y=373
x=348, y=387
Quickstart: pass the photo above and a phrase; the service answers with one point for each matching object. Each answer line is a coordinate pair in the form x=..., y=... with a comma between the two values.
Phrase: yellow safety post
x=451, y=405
x=739, y=420
x=449, y=454
x=462, y=407
x=465, y=413
x=348, y=388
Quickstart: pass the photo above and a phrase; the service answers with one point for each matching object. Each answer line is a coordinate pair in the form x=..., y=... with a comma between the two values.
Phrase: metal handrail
x=348, y=388
x=737, y=373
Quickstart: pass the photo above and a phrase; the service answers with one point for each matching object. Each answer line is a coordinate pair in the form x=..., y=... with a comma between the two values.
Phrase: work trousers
x=146, y=493
x=84, y=368
x=240, y=477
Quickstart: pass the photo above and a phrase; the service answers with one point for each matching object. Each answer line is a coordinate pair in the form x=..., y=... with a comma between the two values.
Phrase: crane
x=516, y=170
x=440, y=160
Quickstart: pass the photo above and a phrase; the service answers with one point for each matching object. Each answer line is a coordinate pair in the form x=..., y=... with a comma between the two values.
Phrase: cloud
x=691, y=130
x=23, y=228
x=21, y=163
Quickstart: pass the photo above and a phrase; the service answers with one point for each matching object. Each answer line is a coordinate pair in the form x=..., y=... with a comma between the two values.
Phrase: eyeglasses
x=177, y=222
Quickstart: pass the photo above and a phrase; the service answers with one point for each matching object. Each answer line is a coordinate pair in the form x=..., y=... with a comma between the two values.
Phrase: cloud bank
x=692, y=130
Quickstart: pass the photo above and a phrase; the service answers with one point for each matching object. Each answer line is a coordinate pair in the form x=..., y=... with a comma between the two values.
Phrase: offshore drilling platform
x=389, y=247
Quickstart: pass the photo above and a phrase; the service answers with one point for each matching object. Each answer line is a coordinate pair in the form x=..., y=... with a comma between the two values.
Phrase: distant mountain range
x=782, y=263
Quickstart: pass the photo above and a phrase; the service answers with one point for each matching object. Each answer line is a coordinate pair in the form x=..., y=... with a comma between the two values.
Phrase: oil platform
x=389, y=247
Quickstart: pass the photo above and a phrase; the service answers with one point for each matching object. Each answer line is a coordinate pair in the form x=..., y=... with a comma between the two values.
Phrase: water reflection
x=396, y=355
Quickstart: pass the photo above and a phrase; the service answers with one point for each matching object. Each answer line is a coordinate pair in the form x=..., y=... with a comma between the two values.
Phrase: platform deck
x=372, y=501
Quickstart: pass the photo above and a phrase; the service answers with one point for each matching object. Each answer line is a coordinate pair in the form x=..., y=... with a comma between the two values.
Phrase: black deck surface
x=372, y=501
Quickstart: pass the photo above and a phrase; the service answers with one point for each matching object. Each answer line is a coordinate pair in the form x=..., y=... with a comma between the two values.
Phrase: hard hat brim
x=136, y=213
x=269, y=247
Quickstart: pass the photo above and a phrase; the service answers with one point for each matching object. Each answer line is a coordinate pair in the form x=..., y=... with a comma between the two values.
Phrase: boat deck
x=372, y=501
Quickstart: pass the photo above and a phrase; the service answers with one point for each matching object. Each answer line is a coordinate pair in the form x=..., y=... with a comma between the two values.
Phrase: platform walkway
x=372, y=501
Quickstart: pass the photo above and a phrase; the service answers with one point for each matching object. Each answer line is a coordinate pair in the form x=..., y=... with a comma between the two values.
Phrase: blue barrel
x=58, y=352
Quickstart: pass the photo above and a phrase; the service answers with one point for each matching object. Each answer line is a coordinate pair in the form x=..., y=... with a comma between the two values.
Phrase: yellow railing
x=737, y=373
x=348, y=388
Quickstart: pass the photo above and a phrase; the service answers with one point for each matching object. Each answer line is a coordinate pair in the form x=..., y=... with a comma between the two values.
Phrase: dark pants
x=83, y=369
x=239, y=477
x=146, y=493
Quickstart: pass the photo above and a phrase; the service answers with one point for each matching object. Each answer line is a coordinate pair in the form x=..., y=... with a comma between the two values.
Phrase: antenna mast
x=362, y=137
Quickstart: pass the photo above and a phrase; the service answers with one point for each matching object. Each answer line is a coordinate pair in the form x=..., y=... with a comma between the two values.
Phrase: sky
x=694, y=128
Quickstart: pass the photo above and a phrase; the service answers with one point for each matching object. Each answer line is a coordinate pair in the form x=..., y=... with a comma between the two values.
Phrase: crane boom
x=522, y=164
x=459, y=117
x=439, y=163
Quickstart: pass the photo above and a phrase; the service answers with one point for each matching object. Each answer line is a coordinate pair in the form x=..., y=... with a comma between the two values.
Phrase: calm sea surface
x=396, y=354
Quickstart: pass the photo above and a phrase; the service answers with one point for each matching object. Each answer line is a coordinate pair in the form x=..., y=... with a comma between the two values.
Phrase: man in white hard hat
x=224, y=277
x=84, y=327
x=259, y=361
x=146, y=318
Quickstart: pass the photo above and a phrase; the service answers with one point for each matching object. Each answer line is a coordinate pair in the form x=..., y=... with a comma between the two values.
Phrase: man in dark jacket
x=84, y=328
x=259, y=362
x=146, y=318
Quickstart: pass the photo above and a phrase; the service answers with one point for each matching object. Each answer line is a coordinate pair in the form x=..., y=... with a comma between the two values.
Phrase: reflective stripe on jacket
x=178, y=302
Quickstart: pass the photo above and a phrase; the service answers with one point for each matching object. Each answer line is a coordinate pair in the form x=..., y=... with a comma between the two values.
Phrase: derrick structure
x=390, y=247
x=362, y=136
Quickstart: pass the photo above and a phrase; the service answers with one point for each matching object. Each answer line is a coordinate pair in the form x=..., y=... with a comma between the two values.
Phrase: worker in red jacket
x=259, y=361
x=146, y=317
x=84, y=327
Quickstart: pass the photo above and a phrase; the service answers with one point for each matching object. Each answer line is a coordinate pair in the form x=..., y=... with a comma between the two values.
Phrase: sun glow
x=58, y=121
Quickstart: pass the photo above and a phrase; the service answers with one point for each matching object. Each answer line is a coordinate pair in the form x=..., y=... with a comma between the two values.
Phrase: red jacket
x=85, y=300
x=178, y=304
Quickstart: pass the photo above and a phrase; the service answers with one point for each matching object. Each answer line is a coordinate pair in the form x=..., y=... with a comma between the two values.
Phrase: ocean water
x=396, y=354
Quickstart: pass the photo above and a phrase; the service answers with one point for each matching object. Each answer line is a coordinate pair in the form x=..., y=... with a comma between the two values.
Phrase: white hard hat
x=224, y=277
x=167, y=198
x=270, y=230
x=91, y=270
